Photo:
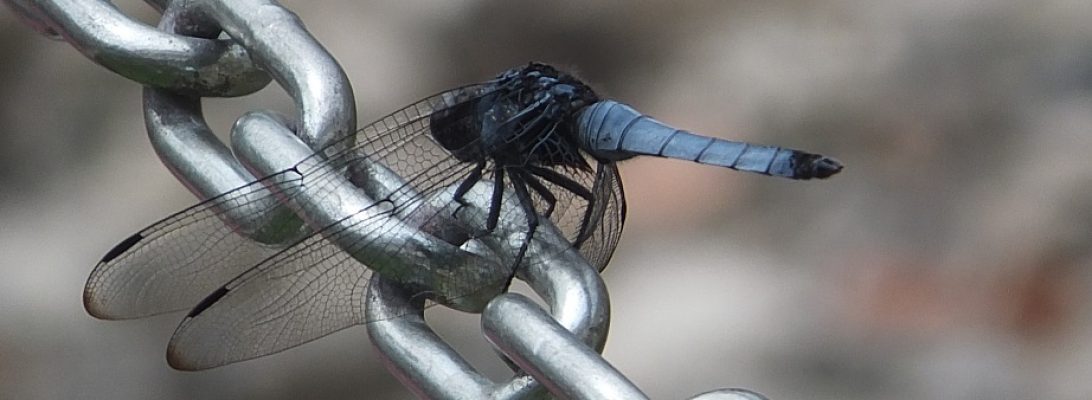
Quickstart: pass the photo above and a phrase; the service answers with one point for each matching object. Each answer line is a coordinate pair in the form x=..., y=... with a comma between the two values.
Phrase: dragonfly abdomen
x=614, y=131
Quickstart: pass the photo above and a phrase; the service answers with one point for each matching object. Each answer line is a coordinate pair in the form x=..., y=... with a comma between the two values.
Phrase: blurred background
x=950, y=260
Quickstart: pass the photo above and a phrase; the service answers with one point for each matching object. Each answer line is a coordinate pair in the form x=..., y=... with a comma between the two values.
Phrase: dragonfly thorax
x=528, y=119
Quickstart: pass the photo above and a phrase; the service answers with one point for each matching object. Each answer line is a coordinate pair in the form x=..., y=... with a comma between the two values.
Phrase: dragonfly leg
x=471, y=179
x=519, y=185
x=495, y=202
x=547, y=196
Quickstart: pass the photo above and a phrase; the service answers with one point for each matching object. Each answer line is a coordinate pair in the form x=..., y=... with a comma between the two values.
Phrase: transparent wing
x=313, y=288
x=295, y=297
x=176, y=262
x=608, y=217
x=309, y=290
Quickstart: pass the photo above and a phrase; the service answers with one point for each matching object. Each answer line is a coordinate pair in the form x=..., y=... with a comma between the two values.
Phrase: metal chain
x=183, y=60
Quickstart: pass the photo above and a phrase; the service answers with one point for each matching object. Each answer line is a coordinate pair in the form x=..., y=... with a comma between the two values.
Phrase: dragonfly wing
x=292, y=298
x=608, y=215
x=313, y=287
x=304, y=292
x=174, y=263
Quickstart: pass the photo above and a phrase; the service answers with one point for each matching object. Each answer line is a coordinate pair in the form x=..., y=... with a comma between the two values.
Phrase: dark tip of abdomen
x=808, y=166
x=207, y=302
x=122, y=247
x=826, y=166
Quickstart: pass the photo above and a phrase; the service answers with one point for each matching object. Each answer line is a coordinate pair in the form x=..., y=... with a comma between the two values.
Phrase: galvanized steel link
x=191, y=65
x=276, y=40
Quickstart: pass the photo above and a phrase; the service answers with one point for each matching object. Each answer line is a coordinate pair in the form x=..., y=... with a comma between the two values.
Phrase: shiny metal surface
x=187, y=145
x=414, y=354
x=197, y=158
x=207, y=67
x=730, y=394
x=276, y=39
x=572, y=289
x=543, y=348
x=192, y=152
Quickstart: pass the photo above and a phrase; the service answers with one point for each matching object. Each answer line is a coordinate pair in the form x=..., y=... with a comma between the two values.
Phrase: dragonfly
x=484, y=169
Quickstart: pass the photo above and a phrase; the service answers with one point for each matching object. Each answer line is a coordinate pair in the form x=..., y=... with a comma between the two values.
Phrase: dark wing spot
x=207, y=302
x=122, y=247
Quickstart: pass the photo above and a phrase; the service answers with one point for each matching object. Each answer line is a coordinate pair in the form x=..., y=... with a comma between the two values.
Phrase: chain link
x=205, y=67
x=190, y=149
x=184, y=60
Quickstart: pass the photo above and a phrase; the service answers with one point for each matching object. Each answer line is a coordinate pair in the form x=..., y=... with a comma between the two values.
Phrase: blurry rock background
x=949, y=260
